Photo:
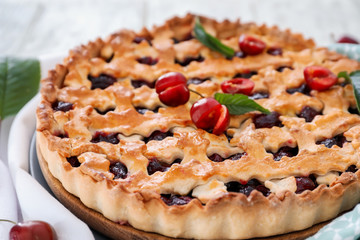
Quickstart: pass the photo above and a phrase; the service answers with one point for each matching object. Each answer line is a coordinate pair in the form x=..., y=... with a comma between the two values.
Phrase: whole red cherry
x=209, y=114
x=238, y=85
x=32, y=230
x=319, y=78
x=172, y=89
x=251, y=45
x=347, y=39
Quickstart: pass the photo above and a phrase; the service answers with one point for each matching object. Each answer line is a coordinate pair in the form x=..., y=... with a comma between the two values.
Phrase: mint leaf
x=239, y=104
x=354, y=79
x=210, y=41
x=19, y=82
x=344, y=75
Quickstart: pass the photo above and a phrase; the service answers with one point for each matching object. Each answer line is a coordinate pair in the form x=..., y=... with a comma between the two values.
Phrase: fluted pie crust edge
x=228, y=216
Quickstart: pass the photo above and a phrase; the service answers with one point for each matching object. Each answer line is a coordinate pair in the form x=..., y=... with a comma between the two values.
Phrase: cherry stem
x=6, y=220
x=196, y=93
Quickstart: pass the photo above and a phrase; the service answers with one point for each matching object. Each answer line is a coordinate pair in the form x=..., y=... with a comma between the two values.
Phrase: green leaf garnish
x=239, y=104
x=210, y=41
x=19, y=82
x=354, y=79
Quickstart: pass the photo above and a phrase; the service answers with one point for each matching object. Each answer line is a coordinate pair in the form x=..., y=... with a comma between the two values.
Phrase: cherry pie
x=111, y=142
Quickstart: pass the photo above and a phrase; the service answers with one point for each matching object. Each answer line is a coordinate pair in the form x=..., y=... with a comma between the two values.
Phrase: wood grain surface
x=116, y=231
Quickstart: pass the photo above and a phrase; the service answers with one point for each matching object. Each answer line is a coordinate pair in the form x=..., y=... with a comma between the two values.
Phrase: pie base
x=221, y=214
x=117, y=231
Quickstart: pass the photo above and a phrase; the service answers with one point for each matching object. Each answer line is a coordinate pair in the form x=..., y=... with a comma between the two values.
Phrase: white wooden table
x=37, y=27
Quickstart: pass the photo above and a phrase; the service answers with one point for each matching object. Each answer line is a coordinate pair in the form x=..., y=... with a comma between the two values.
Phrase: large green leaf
x=239, y=104
x=211, y=41
x=354, y=79
x=19, y=82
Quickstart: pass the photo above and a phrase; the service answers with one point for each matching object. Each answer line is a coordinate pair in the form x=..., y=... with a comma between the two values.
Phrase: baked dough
x=100, y=142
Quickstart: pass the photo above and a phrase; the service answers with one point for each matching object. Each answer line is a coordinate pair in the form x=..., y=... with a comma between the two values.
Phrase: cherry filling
x=305, y=183
x=196, y=81
x=188, y=37
x=285, y=151
x=62, y=106
x=105, y=137
x=275, y=51
x=74, y=161
x=228, y=136
x=171, y=199
x=138, y=40
x=338, y=140
x=353, y=110
x=61, y=135
x=239, y=54
x=109, y=59
x=259, y=95
x=144, y=110
x=351, y=168
x=237, y=156
x=156, y=166
x=147, y=60
x=158, y=136
x=104, y=112
x=248, y=187
x=118, y=169
x=217, y=158
x=282, y=68
x=267, y=120
x=141, y=82
x=245, y=74
x=102, y=81
x=304, y=89
x=308, y=113
x=188, y=60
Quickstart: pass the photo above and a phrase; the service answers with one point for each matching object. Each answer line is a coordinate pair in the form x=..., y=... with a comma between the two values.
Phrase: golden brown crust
x=136, y=199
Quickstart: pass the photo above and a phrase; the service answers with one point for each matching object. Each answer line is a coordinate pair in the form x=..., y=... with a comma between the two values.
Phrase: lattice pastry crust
x=189, y=195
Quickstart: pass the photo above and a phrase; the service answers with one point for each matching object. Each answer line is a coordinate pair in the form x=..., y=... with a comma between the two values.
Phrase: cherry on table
x=209, y=114
x=238, y=85
x=347, y=39
x=32, y=230
x=319, y=78
x=251, y=45
x=172, y=89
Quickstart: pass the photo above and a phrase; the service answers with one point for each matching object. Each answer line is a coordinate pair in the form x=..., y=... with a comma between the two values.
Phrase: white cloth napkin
x=34, y=201
x=8, y=203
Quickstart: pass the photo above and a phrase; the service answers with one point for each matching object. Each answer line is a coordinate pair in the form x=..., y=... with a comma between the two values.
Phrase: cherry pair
x=207, y=113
